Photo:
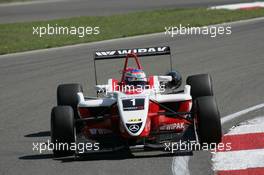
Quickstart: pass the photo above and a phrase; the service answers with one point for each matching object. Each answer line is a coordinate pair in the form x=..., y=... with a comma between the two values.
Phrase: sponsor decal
x=173, y=126
x=134, y=120
x=134, y=128
x=99, y=131
x=139, y=51
x=133, y=104
x=129, y=97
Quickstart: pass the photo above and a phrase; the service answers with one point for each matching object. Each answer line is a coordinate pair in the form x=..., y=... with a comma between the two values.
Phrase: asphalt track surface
x=28, y=92
x=54, y=9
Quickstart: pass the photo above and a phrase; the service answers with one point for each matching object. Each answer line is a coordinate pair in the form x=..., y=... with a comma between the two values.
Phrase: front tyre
x=201, y=85
x=67, y=96
x=208, y=118
x=62, y=130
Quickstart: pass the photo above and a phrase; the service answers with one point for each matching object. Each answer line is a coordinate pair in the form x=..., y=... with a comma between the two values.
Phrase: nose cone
x=133, y=110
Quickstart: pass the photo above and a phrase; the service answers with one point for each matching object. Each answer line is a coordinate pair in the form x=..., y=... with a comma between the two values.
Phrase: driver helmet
x=135, y=77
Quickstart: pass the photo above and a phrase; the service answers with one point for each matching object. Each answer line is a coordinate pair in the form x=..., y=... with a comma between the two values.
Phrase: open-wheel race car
x=136, y=112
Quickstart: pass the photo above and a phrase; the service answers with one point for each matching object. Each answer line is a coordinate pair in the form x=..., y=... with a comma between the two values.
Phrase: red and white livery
x=136, y=117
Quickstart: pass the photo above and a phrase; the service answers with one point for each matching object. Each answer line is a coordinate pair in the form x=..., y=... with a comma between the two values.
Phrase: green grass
x=18, y=36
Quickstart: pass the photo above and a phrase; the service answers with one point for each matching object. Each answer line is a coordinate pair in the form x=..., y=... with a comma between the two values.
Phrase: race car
x=137, y=112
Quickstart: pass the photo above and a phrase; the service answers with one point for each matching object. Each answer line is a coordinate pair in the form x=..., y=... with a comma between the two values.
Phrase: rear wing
x=122, y=53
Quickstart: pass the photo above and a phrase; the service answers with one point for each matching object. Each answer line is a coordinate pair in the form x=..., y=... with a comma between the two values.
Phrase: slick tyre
x=67, y=96
x=201, y=85
x=208, y=118
x=62, y=130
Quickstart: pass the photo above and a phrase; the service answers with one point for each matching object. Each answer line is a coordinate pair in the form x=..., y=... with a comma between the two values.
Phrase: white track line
x=239, y=6
x=180, y=165
x=237, y=114
x=255, y=125
x=179, y=161
x=28, y=3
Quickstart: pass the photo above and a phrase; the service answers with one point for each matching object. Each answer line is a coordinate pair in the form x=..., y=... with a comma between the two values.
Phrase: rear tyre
x=201, y=85
x=62, y=130
x=67, y=96
x=208, y=118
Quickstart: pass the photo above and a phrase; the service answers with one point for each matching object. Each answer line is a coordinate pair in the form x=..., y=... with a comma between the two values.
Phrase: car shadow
x=36, y=157
x=118, y=156
x=100, y=156
x=39, y=134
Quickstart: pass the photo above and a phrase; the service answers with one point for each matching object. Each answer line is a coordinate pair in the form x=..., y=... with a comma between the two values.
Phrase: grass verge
x=18, y=37
x=8, y=1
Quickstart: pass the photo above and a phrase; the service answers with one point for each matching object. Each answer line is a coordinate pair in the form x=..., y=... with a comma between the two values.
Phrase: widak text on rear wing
x=122, y=53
